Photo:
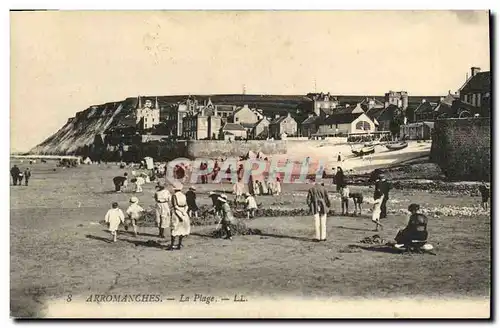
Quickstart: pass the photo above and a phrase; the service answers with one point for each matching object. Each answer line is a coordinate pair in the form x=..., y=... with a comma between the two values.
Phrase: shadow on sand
x=106, y=240
x=377, y=248
x=284, y=236
x=149, y=243
x=131, y=233
x=357, y=229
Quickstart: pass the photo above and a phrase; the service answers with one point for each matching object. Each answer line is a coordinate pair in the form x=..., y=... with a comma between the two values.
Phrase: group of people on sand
x=319, y=205
x=173, y=211
x=18, y=176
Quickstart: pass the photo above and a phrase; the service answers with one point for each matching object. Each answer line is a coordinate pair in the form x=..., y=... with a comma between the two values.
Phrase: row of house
x=324, y=116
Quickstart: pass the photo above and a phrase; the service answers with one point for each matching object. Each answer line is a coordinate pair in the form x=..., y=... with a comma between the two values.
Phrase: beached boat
x=397, y=145
x=366, y=150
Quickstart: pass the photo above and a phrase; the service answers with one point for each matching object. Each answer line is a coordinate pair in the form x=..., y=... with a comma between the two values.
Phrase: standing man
x=27, y=176
x=162, y=198
x=14, y=172
x=383, y=186
x=226, y=216
x=319, y=203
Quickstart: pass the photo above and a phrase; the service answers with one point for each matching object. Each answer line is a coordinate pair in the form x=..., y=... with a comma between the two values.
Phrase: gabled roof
x=389, y=113
x=481, y=82
x=375, y=113
x=327, y=111
x=426, y=107
x=366, y=102
x=311, y=120
x=341, y=118
x=280, y=119
x=233, y=127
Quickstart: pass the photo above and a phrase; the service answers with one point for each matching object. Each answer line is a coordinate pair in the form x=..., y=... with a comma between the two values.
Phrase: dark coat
x=317, y=200
x=191, y=200
x=384, y=187
x=15, y=171
x=339, y=178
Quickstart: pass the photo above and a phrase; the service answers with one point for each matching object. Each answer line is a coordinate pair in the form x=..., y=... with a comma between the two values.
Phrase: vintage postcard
x=250, y=164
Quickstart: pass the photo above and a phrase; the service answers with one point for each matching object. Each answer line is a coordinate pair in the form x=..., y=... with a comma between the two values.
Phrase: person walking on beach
x=134, y=212
x=319, y=203
x=14, y=172
x=378, y=198
x=27, y=176
x=383, y=186
x=113, y=218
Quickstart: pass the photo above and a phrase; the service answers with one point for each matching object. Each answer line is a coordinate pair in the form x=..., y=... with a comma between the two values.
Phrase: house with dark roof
x=476, y=91
x=371, y=103
x=283, y=125
x=346, y=123
x=425, y=112
x=235, y=130
x=259, y=130
x=387, y=116
x=310, y=126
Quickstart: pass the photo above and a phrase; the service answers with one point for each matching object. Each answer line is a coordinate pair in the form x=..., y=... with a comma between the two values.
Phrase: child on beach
x=377, y=203
x=134, y=212
x=191, y=202
x=344, y=199
x=277, y=187
x=114, y=217
x=251, y=205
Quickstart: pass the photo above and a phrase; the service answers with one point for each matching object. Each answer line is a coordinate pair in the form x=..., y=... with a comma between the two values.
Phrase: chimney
x=474, y=71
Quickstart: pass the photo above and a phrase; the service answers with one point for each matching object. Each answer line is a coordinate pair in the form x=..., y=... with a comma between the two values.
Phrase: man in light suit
x=319, y=204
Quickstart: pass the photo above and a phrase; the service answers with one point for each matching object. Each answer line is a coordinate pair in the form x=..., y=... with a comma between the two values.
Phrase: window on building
x=362, y=125
x=478, y=100
x=236, y=119
x=473, y=99
x=465, y=98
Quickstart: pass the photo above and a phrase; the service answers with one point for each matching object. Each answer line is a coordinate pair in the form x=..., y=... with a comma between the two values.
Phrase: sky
x=63, y=62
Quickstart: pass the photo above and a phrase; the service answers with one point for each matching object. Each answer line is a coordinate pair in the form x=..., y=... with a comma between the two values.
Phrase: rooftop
x=233, y=127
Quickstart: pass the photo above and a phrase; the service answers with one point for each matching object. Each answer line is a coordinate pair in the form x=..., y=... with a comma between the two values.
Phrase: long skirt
x=163, y=215
x=180, y=223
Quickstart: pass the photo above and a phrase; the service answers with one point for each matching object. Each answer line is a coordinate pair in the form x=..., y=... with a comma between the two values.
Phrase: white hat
x=192, y=187
x=134, y=200
x=223, y=198
x=177, y=185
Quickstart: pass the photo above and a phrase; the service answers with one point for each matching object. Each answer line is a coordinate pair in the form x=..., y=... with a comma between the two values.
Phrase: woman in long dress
x=180, y=225
x=162, y=198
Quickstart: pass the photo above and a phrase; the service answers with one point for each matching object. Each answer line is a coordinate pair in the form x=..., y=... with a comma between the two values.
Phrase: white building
x=147, y=116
